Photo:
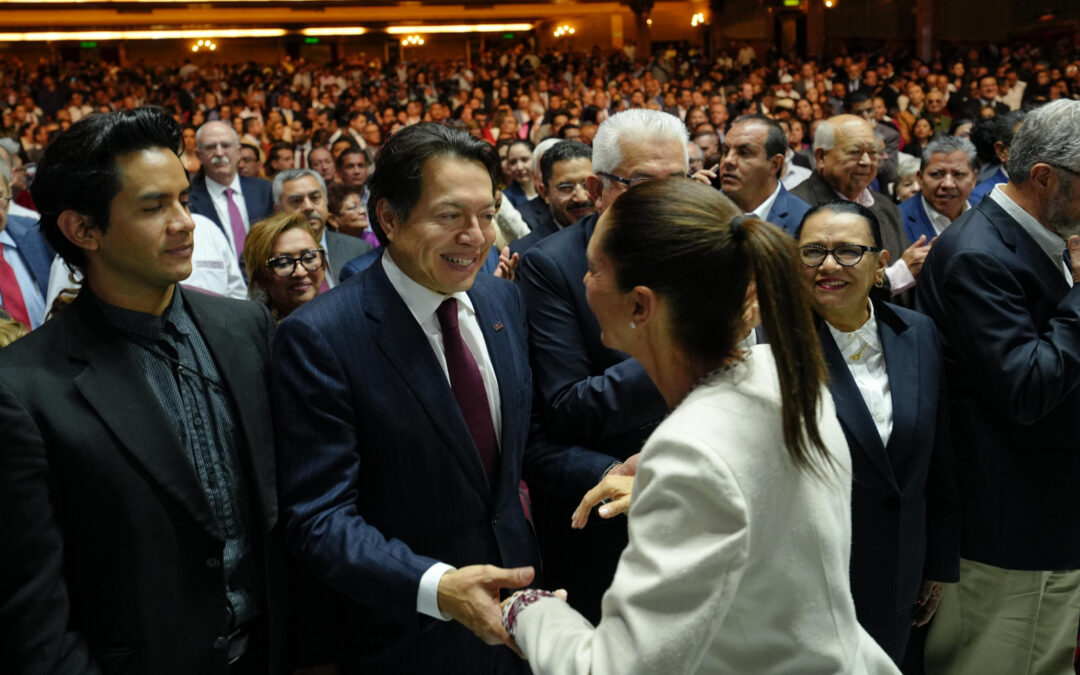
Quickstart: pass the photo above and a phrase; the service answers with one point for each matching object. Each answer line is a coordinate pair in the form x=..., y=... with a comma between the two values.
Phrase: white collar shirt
x=762, y=211
x=221, y=205
x=938, y=220
x=1051, y=244
x=865, y=359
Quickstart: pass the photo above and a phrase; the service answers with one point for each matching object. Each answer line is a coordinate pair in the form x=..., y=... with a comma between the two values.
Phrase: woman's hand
x=616, y=488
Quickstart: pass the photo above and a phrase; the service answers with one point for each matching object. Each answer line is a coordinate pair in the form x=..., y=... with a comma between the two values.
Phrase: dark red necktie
x=468, y=388
x=13, y=298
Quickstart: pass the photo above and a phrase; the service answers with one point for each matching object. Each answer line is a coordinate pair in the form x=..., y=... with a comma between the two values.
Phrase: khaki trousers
x=1007, y=622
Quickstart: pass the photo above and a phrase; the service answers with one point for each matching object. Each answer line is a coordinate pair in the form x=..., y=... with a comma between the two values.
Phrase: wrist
x=519, y=601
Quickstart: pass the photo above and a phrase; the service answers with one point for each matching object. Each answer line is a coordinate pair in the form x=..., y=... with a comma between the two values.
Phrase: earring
x=633, y=325
x=879, y=283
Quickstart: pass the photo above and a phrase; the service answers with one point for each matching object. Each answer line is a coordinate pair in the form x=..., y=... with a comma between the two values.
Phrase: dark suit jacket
x=787, y=211
x=258, y=198
x=111, y=556
x=35, y=251
x=904, y=504
x=379, y=476
x=984, y=188
x=916, y=222
x=1010, y=325
x=537, y=215
x=341, y=249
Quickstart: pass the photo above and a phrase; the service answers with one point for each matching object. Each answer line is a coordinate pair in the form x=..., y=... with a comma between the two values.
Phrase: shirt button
x=221, y=642
x=197, y=422
x=495, y=519
x=213, y=563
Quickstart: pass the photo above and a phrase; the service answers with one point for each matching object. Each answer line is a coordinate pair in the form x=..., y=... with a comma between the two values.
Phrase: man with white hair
x=232, y=201
x=586, y=393
x=847, y=158
x=1001, y=284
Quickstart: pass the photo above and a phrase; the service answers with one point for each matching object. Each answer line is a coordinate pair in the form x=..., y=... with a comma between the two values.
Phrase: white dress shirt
x=762, y=211
x=422, y=303
x=938, y=220
x=861, y=349
x=31, y=293
x=1051, y=244
x=221, y=205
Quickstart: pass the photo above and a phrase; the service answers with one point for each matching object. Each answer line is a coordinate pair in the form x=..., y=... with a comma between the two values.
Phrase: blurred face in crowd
x=935, y=102
x=299, y=133
x=916, y=95
x=447, y=235
x=519, y=163
x=947, y=181
x=322, y=162
x=988, y=88
x=288, y=293
x=907, y=186
x=219, y=152
x=840, y=293
x=697, y=158
x=282, y=160
x=922, y=130
x=851, y=164
x=354, y=169
x=306, y=197
x=351, y=218
x=747, y=173
x=248, y=162
x=567, y=192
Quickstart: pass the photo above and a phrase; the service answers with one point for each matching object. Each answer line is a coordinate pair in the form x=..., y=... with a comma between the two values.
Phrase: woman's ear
x=644, y=304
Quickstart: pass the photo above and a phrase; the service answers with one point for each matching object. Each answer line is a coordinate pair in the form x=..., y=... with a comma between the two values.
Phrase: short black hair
x=401, y=160
x=775, y=138
x=844, y=206
x=353, y=149
x=561, y=152
x=78, y=170
x=855, y=97
x=248, y=121
x=566, y=127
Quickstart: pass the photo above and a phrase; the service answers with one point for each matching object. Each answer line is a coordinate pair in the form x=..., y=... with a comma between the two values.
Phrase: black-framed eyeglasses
x=844, y=254
x=285, y=265
x=631, y=182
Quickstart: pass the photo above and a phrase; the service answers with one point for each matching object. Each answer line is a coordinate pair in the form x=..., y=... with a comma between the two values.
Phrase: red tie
x=11, y=293
x=468, y=388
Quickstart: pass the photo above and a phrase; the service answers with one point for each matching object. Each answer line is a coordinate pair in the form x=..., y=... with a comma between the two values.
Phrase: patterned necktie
x=236, y=221
x=468, y=388
x=11, y=293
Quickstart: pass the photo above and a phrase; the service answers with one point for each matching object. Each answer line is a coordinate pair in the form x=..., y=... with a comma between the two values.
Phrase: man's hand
x=470, y=595
x=627, y=468
x=507, y=264
x=1074, y=257
x=927, y=602
x=616, y=488
x=916, y=254
x=707, y=176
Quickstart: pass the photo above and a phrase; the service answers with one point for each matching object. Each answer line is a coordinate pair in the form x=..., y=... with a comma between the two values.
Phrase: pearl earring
x=633, y=325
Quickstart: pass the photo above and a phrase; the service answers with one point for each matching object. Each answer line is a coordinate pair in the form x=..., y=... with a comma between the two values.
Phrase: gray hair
x=695, y=148
x=907, y=165
x=199, y=131
x=1047, y=135
x=289, y=176
x=637, y=124
x=946, y=145
x=825, y=136
x=538, y=153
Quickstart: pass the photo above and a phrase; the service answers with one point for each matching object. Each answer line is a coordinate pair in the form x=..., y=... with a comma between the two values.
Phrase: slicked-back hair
x=353, y=149
x=277, y=187
x=1048, y=134
x=942, y=144
x=844, y=206
x=562, y=152
x=401, y=160
x=78, y=170
x=677, y=237
x=775, y=138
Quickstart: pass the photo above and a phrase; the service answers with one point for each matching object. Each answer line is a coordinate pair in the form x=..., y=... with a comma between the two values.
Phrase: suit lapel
x=902, y=363
x=201, y=203
x=113, y=385
x=851, y=409
x=407, y=349
x=235, y=363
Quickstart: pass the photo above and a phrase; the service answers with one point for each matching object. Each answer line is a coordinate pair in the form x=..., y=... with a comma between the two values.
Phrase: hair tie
x=736, y=227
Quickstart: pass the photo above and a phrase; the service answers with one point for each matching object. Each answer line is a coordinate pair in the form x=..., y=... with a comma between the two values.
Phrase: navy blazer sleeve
x=318, y=473
x=1023, y=372
x=579, y=404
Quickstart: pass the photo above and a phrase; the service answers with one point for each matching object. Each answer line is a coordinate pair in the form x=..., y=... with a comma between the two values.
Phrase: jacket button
x=495, y=520
x=213, y=563
x=221, y=642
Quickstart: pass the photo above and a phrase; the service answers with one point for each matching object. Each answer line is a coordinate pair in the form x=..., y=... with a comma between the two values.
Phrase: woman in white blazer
x=740, y=525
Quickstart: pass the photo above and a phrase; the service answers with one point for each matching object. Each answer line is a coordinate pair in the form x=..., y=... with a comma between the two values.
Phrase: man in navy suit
x=402, y=404
x=1001, y=284
x=752, y=159
x=232, y=201
x=24, y=263
x=565, y=199
x=947, y=177
x=589, y=394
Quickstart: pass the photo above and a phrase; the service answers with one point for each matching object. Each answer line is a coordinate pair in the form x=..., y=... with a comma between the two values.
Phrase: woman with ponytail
x=740, y=524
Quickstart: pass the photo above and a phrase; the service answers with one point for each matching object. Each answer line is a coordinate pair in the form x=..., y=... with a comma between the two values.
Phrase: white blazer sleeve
x=689, y=543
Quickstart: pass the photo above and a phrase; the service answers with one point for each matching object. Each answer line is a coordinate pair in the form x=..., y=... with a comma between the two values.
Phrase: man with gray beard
x=1001, y=283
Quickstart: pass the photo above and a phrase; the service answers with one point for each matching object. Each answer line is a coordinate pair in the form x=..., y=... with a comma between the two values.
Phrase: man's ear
x=542, y=190
x=387, y=219
x=79, y=230
x=595, y=185
x=819, y=157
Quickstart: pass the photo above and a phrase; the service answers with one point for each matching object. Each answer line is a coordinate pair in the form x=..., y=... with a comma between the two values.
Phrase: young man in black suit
x=136, y=474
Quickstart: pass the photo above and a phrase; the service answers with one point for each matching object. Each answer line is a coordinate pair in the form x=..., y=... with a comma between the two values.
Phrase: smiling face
x=851, y=164
x=840, y=294
x=448, y=233
x=947, y=181
x=288, y=293
x=567, y=194
x=148, y=243
x=519, y=163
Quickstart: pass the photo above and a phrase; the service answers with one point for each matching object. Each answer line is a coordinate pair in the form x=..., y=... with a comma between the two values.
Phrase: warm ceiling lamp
x=59, y=36
x=412, y=41
x=208, y=45
x=461, y=28
x=829, y=4
x=335, y=30
x=697, y=20
x=564, y=30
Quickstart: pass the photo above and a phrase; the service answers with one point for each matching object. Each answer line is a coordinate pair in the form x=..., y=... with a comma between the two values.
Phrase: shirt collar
x=762, y=211
x=7, y=240
x=1051, y=244
x=863, y=341
x=144, y=325
x=421, y=301
x=217, y=189
x=864, y=198
x=938, y=219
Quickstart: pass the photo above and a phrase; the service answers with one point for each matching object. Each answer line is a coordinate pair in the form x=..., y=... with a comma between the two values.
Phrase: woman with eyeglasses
x=285, y=265
x=888, y=384
x=739, y=528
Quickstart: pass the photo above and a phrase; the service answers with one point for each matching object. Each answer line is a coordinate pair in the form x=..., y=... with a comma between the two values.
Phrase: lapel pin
x=498, y=326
